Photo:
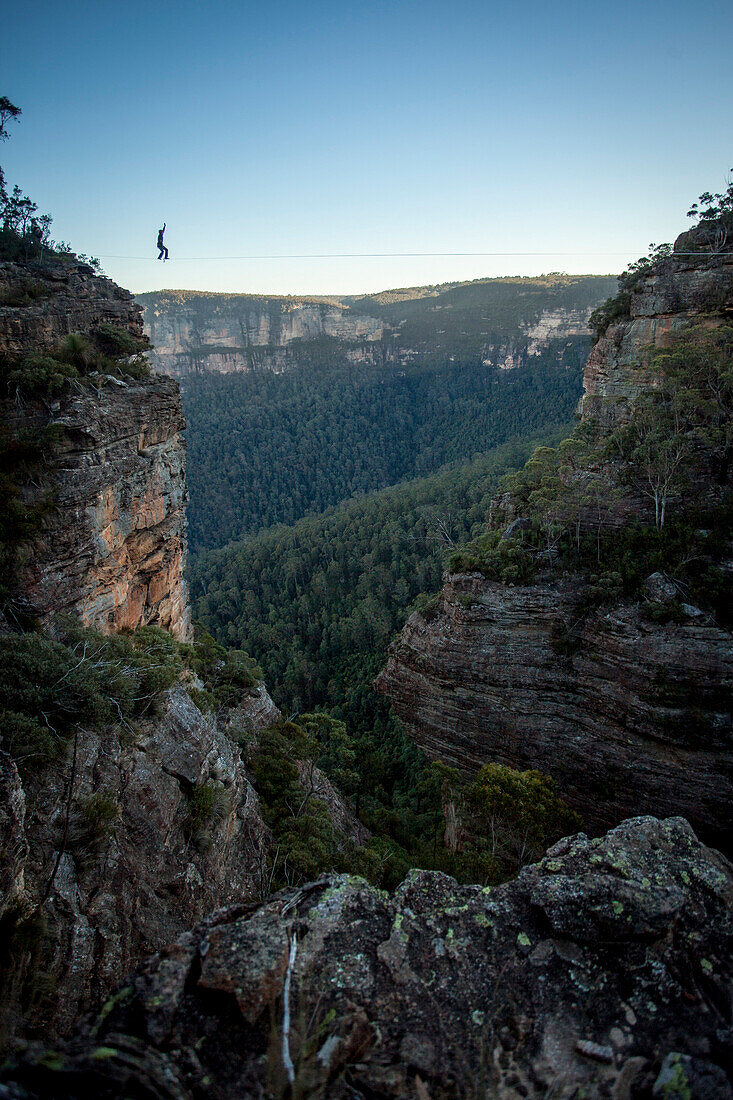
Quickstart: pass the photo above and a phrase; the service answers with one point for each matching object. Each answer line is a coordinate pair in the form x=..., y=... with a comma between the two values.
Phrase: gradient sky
x=578, y=131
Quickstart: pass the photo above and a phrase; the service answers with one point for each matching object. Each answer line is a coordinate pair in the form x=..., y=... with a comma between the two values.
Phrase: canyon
x=603, y=969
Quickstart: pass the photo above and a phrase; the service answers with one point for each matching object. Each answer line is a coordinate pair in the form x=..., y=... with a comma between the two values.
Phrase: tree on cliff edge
x=8, y=112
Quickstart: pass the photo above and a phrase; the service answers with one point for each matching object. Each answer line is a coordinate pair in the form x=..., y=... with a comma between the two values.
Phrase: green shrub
x=49, y=686
x=202, y=699
x=24, y=293
x=29, y=740
x=119, y=343
x=21, y=458
x=227, y=673
x=662, y=613
x=512, y=817
x=207, y=805
x=106, y=350
x=604, y=588
x=617, y=308
x=96, y=816
x=41, y=375
x=503, y=560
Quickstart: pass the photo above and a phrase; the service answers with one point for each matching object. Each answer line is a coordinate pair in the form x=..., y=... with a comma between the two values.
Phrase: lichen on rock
x=536, y=1001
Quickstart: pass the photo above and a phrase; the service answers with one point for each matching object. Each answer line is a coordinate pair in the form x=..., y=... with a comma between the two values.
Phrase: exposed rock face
x=223, y=333
x=556, y=324
x=112, y=549
x=135, y=869
x=604, y=970
x=637, y=718
x=617, y=366
x=236, y=332
x=256, y=712
x=13, y=842
x=41, y=302
x=633, y=716
x=317, y=784
x=113, y=545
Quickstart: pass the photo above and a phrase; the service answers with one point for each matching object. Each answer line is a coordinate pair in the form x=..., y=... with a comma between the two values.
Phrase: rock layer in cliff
x=111, y=549
x=637, y=718
x=505, y=322
x=684, y=288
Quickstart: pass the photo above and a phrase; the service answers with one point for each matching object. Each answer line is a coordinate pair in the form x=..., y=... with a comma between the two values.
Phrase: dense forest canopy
x=267, y=449
x=317, y=603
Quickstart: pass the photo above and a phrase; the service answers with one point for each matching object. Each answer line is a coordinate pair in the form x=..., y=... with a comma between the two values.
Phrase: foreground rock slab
x=602, y=971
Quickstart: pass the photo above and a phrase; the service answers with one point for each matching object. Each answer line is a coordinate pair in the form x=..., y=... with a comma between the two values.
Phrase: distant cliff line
x=505, y=322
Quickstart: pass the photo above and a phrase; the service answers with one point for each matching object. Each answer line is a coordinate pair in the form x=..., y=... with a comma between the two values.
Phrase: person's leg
x=162, y=250
x=166, y=253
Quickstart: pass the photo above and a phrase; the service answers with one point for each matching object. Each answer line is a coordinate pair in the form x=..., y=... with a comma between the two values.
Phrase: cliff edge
x=106, y=479
x=126, y=812
x=588, y=639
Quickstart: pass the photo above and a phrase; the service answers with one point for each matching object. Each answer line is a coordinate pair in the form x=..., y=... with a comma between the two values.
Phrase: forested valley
x=325, y=501
x=317, y=604
x=268, y=448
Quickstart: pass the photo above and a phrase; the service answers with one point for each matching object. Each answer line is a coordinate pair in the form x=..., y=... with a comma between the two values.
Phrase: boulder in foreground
x=604, y=970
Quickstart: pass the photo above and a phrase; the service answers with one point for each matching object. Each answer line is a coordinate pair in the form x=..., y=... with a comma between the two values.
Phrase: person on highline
x=163, y=254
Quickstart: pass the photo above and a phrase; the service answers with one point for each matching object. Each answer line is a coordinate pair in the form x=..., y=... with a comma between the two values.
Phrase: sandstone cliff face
x=226, y=333
x=602, y=971
x=132, y=869
x=636, y=719
x=616, y=371
x=113, y=544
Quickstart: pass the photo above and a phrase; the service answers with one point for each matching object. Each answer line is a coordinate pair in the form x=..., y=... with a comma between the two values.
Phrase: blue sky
x=575, y=131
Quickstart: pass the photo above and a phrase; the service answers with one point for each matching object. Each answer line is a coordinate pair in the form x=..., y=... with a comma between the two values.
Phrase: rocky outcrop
x=112, y=546
x=604, y=970
x=42, y=302
x=255, y=712
x=684, y=288
x=117, y=853
x=13, y=841
x=316, y=784
x=627, y=715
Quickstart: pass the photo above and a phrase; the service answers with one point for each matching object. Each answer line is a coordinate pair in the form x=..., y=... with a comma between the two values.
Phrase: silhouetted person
x=163, y=254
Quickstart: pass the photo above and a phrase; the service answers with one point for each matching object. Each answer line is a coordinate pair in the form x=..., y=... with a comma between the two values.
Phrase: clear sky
x=579, y=131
